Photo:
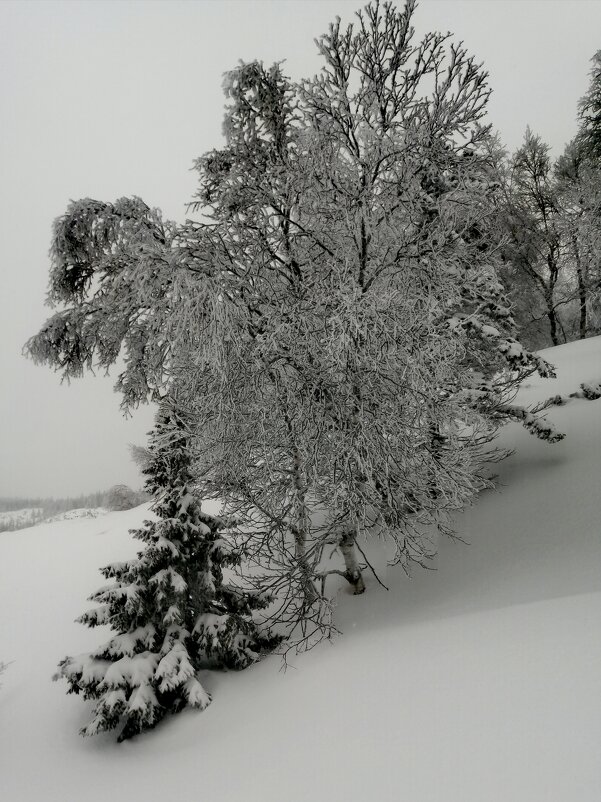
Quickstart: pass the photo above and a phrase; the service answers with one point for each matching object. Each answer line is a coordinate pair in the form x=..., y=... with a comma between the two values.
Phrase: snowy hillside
x=12, y=520
x=80, y=512
x=19, y=519
x=477, y=682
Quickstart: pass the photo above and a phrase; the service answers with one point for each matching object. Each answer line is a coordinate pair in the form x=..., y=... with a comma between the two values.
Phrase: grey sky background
x=105, y=99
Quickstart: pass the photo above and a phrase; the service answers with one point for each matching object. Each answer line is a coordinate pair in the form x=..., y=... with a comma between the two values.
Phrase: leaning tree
x=350, y=218
x=335, y=325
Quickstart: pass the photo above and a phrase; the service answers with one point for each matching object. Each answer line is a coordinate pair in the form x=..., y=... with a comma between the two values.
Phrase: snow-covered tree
x=579, y=183
x=589, y=134
x=140, y=455
x=122, y=497
x=535, y=247
x=551, y=220
x=169, y=608
x=351, y=214
x=578, y=173
x=112, y=272
x=336, y=330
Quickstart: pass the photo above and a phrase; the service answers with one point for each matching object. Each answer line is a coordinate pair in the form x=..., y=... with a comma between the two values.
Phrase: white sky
x=105, y=99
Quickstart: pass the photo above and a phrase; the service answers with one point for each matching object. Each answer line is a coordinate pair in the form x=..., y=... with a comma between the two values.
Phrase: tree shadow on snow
x=533, y=539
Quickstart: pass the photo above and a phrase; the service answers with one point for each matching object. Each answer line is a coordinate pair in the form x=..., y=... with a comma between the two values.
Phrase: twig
x=372, y=569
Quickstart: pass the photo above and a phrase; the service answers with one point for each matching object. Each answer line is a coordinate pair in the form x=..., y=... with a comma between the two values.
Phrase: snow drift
x=477, y=681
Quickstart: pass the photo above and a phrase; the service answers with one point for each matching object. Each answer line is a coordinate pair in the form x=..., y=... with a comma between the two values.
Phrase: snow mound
x=477, y=682
x=83, y=512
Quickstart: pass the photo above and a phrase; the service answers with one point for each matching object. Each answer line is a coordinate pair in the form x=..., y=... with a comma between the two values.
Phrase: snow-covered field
x=478, y=682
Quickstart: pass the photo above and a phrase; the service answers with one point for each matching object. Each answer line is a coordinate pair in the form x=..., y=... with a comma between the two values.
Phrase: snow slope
x=477, y=682
x=79, y=512
x=30, y=516
x=16, y=519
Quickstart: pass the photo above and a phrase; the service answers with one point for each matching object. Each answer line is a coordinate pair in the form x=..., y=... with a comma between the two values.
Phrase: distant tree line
x=51, y=505
x=118, y=497
x=549, y=229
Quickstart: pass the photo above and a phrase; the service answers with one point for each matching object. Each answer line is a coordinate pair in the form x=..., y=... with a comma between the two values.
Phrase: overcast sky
x=105, y=99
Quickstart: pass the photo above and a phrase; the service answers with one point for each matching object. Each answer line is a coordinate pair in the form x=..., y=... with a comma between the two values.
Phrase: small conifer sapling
x=170, y=610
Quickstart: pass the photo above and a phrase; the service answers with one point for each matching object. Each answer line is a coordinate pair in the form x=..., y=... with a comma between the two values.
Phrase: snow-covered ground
x=477, y=682
x=30, y=516
x=79, y=512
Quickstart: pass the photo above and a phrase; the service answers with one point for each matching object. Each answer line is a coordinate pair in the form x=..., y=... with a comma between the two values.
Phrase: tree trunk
x=582, y=299
x=581, y=291
x=301, y=524
x=436, y=443
x=550, y=294
x=353, y=571
x=551, y=316
x=300, y=554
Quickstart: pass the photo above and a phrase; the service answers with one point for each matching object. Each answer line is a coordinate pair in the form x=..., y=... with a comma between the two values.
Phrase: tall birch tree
x=335, y=324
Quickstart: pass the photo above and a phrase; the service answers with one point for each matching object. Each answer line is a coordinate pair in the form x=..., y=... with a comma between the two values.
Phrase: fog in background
x=105, y=99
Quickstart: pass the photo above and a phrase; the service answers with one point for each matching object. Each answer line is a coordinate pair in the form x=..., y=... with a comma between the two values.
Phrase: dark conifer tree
x=170, y=609
x=589, y=135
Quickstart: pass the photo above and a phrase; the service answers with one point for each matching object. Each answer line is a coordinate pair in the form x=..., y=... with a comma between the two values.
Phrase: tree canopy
x=334, y=329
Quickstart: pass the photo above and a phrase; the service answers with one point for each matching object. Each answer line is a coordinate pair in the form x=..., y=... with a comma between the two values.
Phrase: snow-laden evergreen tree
x=170, y=610
x=589, y=134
